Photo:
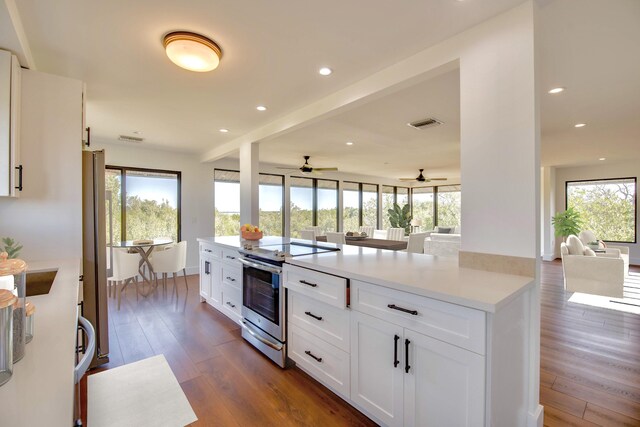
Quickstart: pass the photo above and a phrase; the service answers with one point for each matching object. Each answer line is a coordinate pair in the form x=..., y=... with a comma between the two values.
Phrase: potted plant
x=400, y=217
x=11, y=247
x=567, y=223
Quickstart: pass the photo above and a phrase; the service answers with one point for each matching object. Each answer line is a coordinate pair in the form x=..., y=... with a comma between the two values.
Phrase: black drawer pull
x=310, y=314
x=395, y=351
x=231, y=257
x=231, y=305
x=406, y=356
x=208, y=250
x=231, y=279
x=304, y=282
x=318, y=359
x=404, y=310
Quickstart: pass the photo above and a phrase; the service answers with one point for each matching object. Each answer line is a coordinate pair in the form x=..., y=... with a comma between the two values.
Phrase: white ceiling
x=272, y=51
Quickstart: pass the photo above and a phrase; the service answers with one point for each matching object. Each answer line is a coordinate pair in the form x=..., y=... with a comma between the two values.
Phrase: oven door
x=262, y=296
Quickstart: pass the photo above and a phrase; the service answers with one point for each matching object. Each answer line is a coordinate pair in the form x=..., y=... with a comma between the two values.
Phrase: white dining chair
x=171, y=260
x=395, y=234
x=308, y=235
x=416, y=243
x=125, y=270
x=366, y=229
x=316, y=229
x=333, y=237
x=380, y=234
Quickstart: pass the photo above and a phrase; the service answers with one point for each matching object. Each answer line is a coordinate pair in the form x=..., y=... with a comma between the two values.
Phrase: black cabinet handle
x=318, y=359
x=19, y=186
x=231, y=279
x=231, y=305
x=304, y=282
x=231, y=257
x=395, y=351
x=310, y=314
x=406, y=356
x=404, y=310
x=207, y=267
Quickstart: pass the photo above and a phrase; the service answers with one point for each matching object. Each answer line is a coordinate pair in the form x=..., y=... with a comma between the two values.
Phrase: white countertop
x=430, y=276
x=235, y=242
x=40, y=393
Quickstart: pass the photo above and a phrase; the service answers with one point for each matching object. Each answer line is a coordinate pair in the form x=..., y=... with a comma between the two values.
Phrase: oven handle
x=260, y=266
x=256, y=335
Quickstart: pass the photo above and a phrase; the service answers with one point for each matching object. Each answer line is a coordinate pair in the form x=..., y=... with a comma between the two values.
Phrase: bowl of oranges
x=250, y=232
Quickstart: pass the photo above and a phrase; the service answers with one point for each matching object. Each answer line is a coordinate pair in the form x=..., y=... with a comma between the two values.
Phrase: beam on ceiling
x=25, y=56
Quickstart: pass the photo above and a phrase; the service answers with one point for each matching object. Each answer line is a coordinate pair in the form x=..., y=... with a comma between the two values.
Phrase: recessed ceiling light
x=137, y=132
x=580, y=125
x=192, y=51
x=223, y=130
x=325, y=71
x=602, y=158
x=349, y=143
x=261, y=108
x=557, y=90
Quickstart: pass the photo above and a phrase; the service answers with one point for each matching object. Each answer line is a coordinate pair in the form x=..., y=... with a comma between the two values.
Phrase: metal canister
x=16, y=270
x=7, y=301
x=30, y=311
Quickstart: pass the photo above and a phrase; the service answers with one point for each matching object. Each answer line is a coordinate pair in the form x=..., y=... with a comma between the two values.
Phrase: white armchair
x=587, y=273
x=588, y=236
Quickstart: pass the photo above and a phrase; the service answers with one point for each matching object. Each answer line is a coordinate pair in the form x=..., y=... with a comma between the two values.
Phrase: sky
x=153, y=188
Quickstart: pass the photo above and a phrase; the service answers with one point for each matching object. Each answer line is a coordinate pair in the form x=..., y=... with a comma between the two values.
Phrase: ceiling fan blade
x=288, y=168
x=436, y=179
x=325, y=169
x=406, y=179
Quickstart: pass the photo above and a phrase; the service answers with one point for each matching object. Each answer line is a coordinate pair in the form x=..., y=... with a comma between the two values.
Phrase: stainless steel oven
x=263, y=307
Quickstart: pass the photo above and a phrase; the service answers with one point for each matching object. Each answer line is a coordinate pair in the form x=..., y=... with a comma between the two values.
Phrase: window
x=423, y=206
x=369, y=205
x=226, y=202
x=391, y=195
x=448, y=206
x=271, y=195
x=142, y=203
x=607, y=207
x=327, y=205
x=301, y=205
x=351, y=206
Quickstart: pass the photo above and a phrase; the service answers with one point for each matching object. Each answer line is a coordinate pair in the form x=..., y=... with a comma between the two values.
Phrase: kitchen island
x=408, y=339
x=41, y=390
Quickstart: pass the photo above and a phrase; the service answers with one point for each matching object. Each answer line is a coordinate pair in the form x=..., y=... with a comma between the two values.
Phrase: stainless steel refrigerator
x=94, y=251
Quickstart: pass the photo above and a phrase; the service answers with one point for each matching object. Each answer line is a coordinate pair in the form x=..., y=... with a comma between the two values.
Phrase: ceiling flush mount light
x=261, y=108
x=325, y=71
x=349, y=143
x=192, y=51
x=580, y=125
x=223, y=130
x=556, y=90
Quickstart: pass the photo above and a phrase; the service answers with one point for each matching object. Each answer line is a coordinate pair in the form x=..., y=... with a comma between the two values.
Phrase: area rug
x=144, y=393
x=630, y=303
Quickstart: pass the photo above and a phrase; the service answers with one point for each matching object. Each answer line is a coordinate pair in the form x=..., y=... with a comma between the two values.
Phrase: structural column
x=249, y=183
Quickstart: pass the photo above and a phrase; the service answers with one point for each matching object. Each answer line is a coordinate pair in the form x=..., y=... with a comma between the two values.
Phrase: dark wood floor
x=589, y=370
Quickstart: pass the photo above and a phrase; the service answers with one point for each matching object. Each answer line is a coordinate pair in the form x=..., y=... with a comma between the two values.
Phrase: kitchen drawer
x=230, y=256
x=211, y=250
x=231, y=301
x=322, y=320
x=320, y=286
x=326, y=363
x=232, y=275
x=457, y=325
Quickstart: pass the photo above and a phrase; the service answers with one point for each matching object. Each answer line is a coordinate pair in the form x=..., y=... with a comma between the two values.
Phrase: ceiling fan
x=307, y=168
x=421, y=178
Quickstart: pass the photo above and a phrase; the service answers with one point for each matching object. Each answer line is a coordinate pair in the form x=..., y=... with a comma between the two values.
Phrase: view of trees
x=606, y=207
x=449, y=208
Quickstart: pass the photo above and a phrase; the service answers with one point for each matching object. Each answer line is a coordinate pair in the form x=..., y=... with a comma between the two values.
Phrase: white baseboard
x=193, y=270
x=548, y=257
x=536, y=418
x=634, y=261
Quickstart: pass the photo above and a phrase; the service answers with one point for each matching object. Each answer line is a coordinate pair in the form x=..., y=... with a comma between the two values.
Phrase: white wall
x=602, y=170
x=196, y=186
x=47, y=218
x=548, y=209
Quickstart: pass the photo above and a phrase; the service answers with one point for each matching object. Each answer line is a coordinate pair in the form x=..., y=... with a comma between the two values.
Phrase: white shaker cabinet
x=210, y=274
x=10, y=167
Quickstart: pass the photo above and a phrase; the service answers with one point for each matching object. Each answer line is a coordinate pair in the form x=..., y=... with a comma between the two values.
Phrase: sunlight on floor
x=629, y=304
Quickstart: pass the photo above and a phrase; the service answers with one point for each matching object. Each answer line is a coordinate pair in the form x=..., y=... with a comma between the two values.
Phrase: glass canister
x=30, y=310
x=7, y=301
x=15, y=270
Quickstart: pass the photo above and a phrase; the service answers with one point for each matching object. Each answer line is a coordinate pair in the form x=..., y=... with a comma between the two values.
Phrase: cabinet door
x=376, y=378
x=205, y=277
x=215, y=295
x=444, y=385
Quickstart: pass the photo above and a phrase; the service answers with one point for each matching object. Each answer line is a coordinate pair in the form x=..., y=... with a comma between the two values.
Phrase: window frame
x=361, y=200
x=123, y=195
x=283, y=198
x=635, y=202
x=314, y=202
x=435, y=199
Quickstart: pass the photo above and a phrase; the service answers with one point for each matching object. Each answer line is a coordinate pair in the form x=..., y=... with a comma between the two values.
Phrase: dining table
x=369, y=242
x=144, y=247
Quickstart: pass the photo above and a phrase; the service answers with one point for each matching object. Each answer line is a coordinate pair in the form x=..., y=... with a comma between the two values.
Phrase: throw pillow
x=589, y=252
x=575, y=246
x=444, y=230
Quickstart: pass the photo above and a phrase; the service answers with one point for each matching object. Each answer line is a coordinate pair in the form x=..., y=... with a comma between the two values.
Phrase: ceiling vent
x=425, y=123
x=127, y=138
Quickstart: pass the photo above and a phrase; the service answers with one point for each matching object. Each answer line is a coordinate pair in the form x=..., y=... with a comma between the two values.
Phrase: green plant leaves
x=11, y=247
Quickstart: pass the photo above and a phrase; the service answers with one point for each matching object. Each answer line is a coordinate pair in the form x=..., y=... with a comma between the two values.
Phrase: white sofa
x=588, y=236
x=442, y=244
x=584, y=271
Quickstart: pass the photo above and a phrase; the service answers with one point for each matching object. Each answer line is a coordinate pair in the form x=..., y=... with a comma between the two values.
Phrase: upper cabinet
x=10, y=167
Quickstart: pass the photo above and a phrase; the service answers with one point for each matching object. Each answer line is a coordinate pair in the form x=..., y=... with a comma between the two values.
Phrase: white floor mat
x=144, y=393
